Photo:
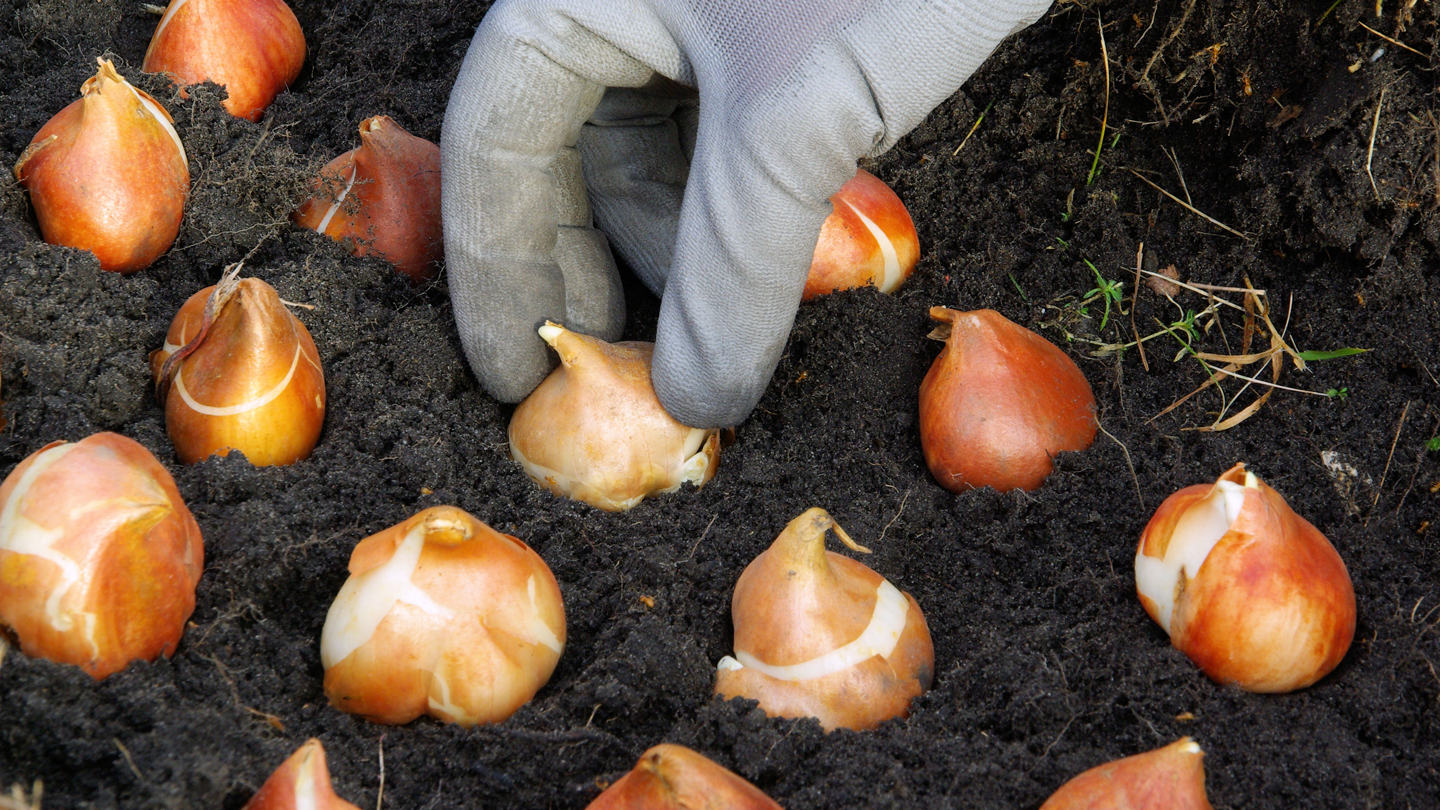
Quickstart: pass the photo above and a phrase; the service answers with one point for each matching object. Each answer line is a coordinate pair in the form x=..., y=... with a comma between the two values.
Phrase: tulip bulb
x=869, y=238
x=302, y=782
x=442, y=615
x=253, y=48
x=998, y=404
x=673, y=777
x=594, y=430
x=382, y=198
x=1249, y=590
x=1169, y=778
x=239, y=372
x=108, y=174
x=99, y=556
x=821, y=635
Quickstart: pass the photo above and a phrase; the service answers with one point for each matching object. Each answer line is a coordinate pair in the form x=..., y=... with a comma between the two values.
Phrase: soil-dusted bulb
x=108, y=174
x=1169, y=778
x=998, y=404
x=869, y=239
x=99, y=556
x=442, y=615
x=821, y=635
x=239, y=372
x=673, y=777
x=594, y=430
x=1249, y=590
x=382, y=198
x=302, y=782
x=254, y=48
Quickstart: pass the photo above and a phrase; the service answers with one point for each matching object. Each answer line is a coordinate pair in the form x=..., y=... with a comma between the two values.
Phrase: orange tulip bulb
x=253, y=48
x=302, y=782
x=442, y=615
x=239, y=372
x=99, y=556
x=595, y=431
x=821, y=635
x=673, y=777
x=1249, y=590
x=998, y=404
x=1169, y=778
x=382, y=198
x=108, y=174
x=869, y=239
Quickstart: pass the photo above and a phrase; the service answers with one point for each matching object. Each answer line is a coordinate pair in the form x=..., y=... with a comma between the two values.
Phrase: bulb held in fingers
x=1169, y=778
x=673, y=777
x=595, y=431
x=302, y=782
x=253, y=48
x=239, y=372
x=382, y=198
x=821, y=635
x=1249, y=590
x=108, y=174
x=869, y=239
x=99, y=556
x=998, y=404
x=442, y=615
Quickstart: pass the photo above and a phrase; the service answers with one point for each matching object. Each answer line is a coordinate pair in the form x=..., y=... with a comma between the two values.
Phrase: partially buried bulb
x=595, y=431
x=673, y=777
x=868, y=239
x=1169, y=778
x=302, y=782
x=821, y=635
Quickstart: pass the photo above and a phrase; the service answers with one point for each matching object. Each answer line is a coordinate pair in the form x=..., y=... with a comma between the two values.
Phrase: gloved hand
x=717, y=205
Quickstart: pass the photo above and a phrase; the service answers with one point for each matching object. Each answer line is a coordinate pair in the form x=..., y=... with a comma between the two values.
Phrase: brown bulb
x=302, y=782
x=673, y=777
x=239, y=372
x=998, y=404
x=868, y=239
x=382, y=198
x=253, y=48
x=821, y=635
x=108, y=174
x=1169, y=778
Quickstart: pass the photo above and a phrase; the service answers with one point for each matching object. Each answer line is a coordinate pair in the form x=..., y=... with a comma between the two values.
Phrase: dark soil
x=1045, y=662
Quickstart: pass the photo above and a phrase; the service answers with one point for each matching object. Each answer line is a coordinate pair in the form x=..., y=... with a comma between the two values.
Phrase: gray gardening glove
x=717, y=205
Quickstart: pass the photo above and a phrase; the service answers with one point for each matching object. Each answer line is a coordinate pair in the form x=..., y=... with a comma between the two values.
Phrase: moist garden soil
x=1262, y=115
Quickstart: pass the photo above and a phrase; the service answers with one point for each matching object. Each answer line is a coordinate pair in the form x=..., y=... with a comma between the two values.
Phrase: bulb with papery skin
x=382, y=198
x=99, y=556
x=998, y=404
x=442, y=615
x=302, y=782
x=253, y=48
x=248, y=379
x=673, y=777
x=108, y=174
x=821, y=635
x=869, y=239
x=1249, y=590
x=595, y=431
x=1169, y=778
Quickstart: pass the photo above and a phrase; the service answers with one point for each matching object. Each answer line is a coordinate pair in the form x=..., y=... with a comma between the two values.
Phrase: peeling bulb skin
x=441, y=616
x=99, y=556
x=302, y=782
x=1169, y=778
x=382, y=199
x=820, y=635
x=595, y=432
x=1253, y=593
x=868, y=239
x=673, y=777
x=253, y=384
x=253, y=48
x=999, y=403
x=108, y=174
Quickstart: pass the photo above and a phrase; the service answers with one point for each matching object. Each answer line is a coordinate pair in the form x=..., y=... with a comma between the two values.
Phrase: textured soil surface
x=1263, y=115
